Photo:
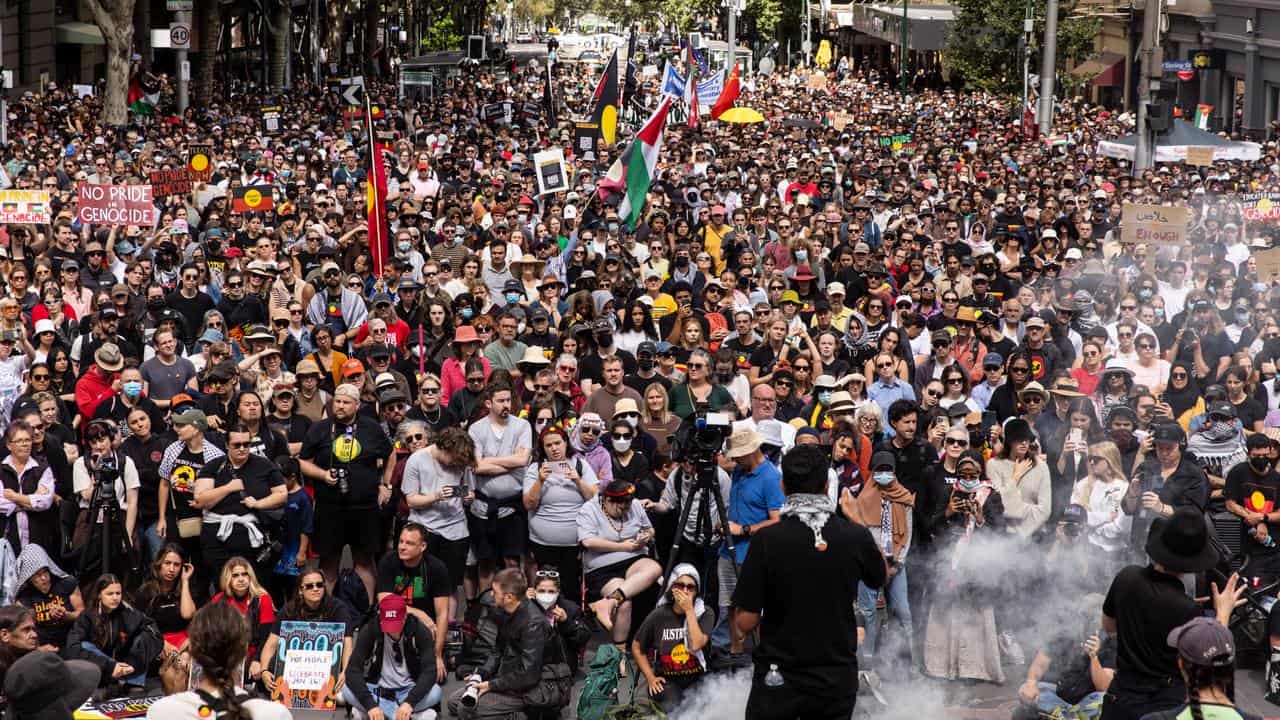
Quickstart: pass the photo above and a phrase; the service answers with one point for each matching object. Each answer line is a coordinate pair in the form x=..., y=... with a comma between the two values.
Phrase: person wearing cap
x=1207, y=665
x=1147, y=603
x=805, y=569
x=1169, y=479
x=104, y=329
x=391, y=666
x=345, y=455
x=539, y=330
x=395, y=331
x=340, y=308
x=1044, y=355
x=868, y=509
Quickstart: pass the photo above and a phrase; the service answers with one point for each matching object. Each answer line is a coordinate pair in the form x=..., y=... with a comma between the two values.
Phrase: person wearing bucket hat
x=1145, y=604
x=755, y=497
x=43, y=686
x=1022, y=478
x=676, y=634
x=453, y=373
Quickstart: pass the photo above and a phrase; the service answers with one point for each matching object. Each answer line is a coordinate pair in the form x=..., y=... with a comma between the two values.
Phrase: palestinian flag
x=642, y=164
x=1202, y=116
x=142, y=100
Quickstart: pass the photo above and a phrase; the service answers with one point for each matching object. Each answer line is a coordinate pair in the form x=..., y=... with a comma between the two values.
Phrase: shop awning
x=79, y=33
x=1093, y=67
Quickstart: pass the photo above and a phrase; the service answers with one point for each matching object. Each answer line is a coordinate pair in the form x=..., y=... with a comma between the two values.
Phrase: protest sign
x=200, y=162
x=839, y=120
x=1153, y=224
x=310, y=654
x=1199, y=155
x=116, y=205
x=24, y=206
x=254, y=198
x=271, y=119
x=174, y=181
x=1268, y=264
x=584, y=139
x=897, y=143
x=551, y=171
x=116, y=708
x=1260, y=206
x=817, y=81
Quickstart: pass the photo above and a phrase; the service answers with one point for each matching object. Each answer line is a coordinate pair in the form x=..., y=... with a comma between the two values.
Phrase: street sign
x=184, y=71
x=179, y=5
x=351, y=89
x=180, y=36
x=1171, y=66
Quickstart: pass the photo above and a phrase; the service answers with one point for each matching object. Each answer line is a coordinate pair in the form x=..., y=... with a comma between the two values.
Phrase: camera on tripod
x=701, y=436
x=108, y=473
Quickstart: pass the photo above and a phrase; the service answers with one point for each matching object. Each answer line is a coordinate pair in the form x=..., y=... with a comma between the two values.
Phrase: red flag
x=1030, y=130
x=728, y=95
x=377, y=197
x=691, y=91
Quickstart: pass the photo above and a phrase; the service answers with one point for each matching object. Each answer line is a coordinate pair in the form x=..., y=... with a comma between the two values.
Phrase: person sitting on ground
x=669, y=646
x=116, y=637
x=391, y=673
x=564, y=615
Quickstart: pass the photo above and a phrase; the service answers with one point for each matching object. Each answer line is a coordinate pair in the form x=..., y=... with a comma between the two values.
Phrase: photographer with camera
x=105, y=480
x=238, y=493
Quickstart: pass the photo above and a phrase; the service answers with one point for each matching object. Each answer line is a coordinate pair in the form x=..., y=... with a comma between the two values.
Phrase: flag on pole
x=728, y=96
x=1030, y=129
x=549, y=99
x=605, y=101
x=1202, y=116
x=642, y=164
x=142, y=100
x=691, y=91
x=376, y=205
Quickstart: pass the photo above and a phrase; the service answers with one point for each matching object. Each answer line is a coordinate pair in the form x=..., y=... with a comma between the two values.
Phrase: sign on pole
x=180, y=36
x=1153, y=224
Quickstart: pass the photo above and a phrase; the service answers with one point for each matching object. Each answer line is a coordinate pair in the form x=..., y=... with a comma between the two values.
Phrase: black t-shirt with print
x=51, y=631
x=663, y=636
x=419, y=586
x=182, y=483
x=1255, y=493
x=357, y=448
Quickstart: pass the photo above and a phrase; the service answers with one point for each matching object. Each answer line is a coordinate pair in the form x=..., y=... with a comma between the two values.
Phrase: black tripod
x=706, y=484
x=104, y=514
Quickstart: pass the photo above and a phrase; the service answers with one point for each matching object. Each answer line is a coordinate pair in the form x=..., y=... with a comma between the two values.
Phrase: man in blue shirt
x=887, y=388
x=755, y=497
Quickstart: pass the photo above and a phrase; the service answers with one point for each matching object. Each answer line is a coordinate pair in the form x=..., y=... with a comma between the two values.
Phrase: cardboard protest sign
x=1199, y=155
x=310, y=657
x=1268, y=264
x=1153, y=224
x=174, y=181
x=817, y=81
x=254, y=198
x=552, y=176
x=24, y=206
x=117, y=205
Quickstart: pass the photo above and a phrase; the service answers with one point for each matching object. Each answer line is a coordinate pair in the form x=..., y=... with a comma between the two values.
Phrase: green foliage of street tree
x=983, y=49
x=441, y=35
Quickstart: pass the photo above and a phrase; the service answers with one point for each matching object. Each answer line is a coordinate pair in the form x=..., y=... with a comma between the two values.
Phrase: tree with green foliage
x=983, y=49
x=441, y=35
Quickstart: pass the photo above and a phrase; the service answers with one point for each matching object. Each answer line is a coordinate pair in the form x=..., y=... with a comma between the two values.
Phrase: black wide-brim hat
x=1181, y=543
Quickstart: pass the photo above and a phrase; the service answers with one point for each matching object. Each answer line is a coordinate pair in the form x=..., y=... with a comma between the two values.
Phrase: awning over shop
x=79, y=33
x=1100, y=69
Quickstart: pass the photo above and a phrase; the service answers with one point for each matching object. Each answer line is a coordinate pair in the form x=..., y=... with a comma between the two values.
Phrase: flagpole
x=372, y=181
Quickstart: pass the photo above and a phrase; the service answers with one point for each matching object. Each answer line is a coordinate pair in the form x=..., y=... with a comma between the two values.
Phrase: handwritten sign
x=1199, y=155
x=307, y=644
x=840, y=120
x=1268, y=263
x=817, y=81
x=174, y=181
x=1263, y=206
x=1153, y=224
x=200, y=162
x=116, y=205
x=24, y=206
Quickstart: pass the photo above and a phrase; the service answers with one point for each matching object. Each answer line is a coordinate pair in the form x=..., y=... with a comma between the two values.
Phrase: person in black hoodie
x=372, y=682
x=512, y=679
x=119, y=639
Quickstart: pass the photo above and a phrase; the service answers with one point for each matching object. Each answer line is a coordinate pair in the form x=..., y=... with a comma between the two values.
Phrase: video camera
x=107, y=473
x=701, y=436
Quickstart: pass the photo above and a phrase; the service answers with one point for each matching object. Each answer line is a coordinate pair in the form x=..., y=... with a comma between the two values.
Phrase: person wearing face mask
x=885, y=508
x=1252, y=493
x=117, y=407
x=814, y=413
x=563, y=614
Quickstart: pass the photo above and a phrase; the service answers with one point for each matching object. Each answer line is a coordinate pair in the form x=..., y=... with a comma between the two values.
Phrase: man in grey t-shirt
x=166, y=374
x=504, y=445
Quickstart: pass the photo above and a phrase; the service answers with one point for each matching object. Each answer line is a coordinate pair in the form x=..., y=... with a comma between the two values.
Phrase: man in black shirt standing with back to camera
x=802, y=573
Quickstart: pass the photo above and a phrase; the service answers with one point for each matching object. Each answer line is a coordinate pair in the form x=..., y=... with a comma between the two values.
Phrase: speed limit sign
x=180, y=36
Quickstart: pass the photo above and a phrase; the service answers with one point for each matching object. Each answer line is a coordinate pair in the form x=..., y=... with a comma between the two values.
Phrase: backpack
x=350, y=591
x=600, y=688
x=479, y=634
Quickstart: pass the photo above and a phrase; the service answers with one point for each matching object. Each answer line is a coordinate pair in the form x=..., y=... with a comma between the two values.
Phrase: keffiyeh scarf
x=813, y=511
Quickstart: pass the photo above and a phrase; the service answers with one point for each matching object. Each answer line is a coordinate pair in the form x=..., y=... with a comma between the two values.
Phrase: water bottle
x=773, y=678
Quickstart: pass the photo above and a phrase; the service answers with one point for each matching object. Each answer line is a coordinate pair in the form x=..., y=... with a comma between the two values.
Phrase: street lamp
x=902, y=49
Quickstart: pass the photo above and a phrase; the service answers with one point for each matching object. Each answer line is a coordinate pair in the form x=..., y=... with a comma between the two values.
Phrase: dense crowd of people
x=930, y=344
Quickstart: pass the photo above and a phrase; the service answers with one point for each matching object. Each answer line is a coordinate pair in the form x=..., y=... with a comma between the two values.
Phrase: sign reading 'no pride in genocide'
x=117, y=205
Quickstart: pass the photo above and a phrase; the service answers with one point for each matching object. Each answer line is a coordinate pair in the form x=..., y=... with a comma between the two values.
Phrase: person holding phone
x=555, y=487
x=437, y=487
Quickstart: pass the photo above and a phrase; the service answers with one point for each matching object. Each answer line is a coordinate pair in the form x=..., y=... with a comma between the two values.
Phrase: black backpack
x=350, y=591
x=479, y=634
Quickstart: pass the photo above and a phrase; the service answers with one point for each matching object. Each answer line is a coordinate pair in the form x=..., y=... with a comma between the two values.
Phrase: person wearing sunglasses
x=669, y=647
x=342, y=309
x=311, y=602
x=233, y=492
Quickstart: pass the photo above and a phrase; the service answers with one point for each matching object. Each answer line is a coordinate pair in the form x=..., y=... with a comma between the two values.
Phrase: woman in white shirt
x=1150, y=369
x=218, y=640
x=1100, y=493
x=1022, y=479
x=101, y=456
